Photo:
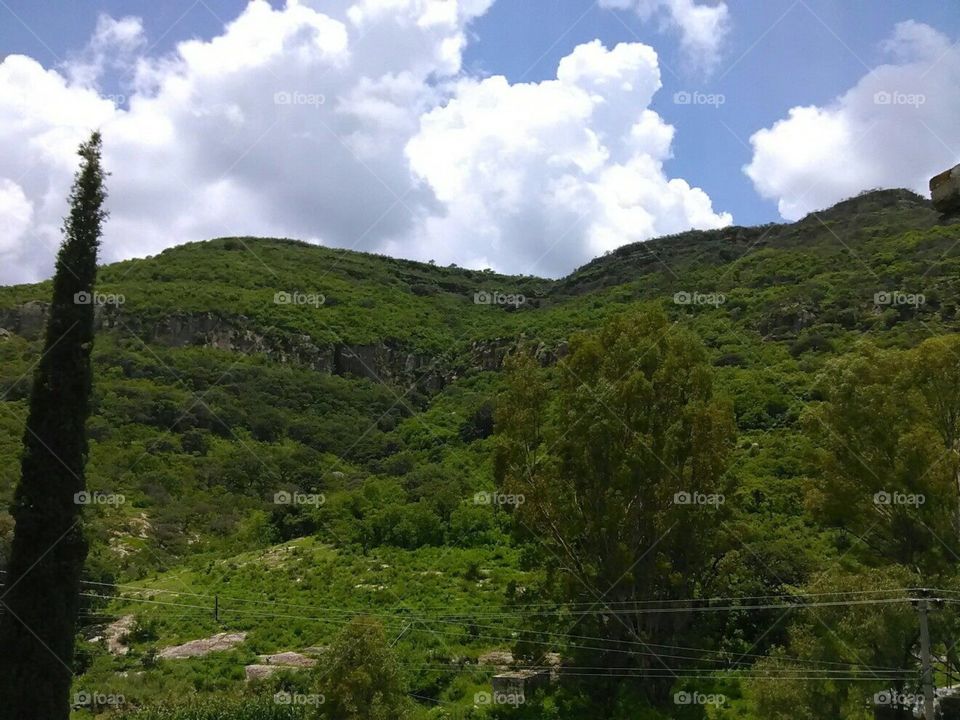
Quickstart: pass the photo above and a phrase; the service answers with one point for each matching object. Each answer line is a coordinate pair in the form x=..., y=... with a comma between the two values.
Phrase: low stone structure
x=520, y=683
x=945, y=191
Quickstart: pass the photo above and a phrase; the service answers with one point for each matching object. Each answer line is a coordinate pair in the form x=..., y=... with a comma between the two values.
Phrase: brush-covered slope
x=365, y=390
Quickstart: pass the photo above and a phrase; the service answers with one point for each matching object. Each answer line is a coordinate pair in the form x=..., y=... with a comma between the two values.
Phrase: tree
x=41, y=596
x=622, y=476
x=810, y=678
x=935, y=370
x=360, y=680
x=884, y=435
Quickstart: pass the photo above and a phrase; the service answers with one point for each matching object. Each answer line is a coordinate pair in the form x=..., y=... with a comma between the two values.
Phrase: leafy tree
x=41, y=595
x=887, y=477
x=810, y=678
x=360, y=679
x=622, y=477
x=935, y=371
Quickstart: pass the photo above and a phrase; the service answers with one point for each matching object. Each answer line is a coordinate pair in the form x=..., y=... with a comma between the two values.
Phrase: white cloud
x=42, y=119
x=896, y=128
x=703, y=28
x=349, y=123
x=542, y=174
x=16, y=212
x=114, y=44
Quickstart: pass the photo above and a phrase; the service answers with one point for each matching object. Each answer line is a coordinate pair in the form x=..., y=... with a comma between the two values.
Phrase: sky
x=527, y=136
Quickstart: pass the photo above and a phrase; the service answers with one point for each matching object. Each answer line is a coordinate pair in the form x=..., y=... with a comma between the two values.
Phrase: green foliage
x=623, y=476
x=222, y=708
x=888, y=470
x=210, y=398
x=47, y=554
x=359, y=679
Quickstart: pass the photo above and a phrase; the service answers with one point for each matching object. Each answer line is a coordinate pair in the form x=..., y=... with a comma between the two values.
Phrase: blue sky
x=775, y=55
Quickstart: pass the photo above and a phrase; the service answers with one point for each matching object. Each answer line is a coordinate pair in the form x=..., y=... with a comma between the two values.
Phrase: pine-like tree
x=40, y=597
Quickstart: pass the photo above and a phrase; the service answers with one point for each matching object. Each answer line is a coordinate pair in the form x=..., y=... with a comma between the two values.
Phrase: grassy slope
x=199, y=439
x=295, y=596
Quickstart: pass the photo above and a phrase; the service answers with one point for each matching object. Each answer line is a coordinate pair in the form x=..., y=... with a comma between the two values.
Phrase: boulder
x=199, y=648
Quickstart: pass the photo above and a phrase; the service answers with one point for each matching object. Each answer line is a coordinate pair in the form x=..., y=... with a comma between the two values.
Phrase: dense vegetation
x=342, y=469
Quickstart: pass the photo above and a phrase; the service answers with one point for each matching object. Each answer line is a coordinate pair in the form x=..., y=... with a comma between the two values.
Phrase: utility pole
x=923, y=606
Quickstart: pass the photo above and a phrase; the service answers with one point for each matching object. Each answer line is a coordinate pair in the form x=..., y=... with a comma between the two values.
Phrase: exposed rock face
x=383, y=362
x=491, y=354
x=199, y=648
x=288, y=659
x=28, y=320
x=270, y=664
x=380, y=362
x=116, y=635
x=259, y=672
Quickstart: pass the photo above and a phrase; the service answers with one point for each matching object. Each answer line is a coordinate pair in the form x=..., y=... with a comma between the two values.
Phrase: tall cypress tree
x=40, y=597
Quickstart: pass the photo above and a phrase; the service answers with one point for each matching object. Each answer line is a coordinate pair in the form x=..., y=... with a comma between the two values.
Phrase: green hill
x=234, y=370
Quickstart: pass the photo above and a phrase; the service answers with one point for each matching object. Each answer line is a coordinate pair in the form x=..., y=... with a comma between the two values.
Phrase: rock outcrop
x=199, y=648
x=271, y=664
x=385, y=361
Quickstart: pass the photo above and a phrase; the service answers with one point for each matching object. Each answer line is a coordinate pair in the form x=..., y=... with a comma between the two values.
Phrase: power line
x=514, y=631
x=673, y=601
x=849, y=667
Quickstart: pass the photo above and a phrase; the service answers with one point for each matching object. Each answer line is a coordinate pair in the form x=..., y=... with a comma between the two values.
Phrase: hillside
x=365, y=388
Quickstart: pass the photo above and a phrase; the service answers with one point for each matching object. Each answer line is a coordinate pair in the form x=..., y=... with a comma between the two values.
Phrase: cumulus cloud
x=346, y=122
x=16, y=212
x=541, y=173
x=703, y=28
x=42, y=119
x=896, y=128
